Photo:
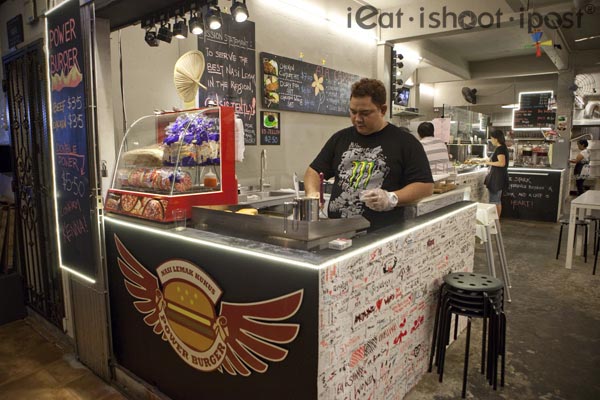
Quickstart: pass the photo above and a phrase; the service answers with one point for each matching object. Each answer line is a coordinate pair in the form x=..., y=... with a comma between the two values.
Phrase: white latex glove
x=379, y=199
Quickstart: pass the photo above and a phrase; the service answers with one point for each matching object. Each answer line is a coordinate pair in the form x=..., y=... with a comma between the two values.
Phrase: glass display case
x=172, y=161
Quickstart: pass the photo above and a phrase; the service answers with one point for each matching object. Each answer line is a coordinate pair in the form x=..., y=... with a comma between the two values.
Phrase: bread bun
x=247, y=211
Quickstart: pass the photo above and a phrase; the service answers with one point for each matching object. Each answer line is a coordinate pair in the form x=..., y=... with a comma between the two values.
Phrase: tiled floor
x=34, y=367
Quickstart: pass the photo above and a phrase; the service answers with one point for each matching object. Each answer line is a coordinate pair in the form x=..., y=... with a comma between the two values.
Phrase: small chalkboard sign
x=532, y=195
x=270, y=128
x=70, y=138
x=533, y=112
x=230, y=75
x=295, y=85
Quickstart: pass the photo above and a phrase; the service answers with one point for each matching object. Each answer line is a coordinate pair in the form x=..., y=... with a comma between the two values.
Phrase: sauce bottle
x=210, y=180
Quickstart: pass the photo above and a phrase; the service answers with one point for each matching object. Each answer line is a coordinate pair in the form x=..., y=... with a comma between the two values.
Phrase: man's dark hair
x=583, y=142
x=425, y=129
x=370, y=88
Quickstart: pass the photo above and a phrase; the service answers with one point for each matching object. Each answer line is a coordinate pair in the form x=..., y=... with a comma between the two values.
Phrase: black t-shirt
x=389, y=159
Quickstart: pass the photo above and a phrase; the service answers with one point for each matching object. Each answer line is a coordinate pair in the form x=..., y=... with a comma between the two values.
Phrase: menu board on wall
x=230, y=75
x=295, y=85
x=69, y=129
x=532, y=196
x=533, y=112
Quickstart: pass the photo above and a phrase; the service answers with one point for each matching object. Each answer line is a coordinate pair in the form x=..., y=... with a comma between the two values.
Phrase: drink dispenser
x=541, y=155
x=527, y=154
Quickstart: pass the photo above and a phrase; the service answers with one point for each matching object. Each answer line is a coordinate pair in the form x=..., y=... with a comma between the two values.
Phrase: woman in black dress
x=497, y=179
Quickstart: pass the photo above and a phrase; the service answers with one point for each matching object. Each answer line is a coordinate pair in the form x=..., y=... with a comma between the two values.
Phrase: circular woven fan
x=187, y=74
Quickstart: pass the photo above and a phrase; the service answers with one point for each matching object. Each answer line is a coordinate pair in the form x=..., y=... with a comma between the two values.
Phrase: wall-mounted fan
x=584, y=85
x=186, y=76
x=470, y=95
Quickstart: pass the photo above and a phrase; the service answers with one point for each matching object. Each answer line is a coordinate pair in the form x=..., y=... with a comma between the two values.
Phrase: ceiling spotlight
x=213, y=17
x=150, y=37
x=164, y=33
x=400, y=64
x=239, y=11
x=180, y=29
x=196, y=24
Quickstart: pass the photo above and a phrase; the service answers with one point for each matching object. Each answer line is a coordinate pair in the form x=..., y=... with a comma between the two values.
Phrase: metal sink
x=264, y=199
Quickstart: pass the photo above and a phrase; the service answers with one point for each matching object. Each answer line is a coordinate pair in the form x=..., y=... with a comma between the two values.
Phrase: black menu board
x=295, y=85
x=69, y=129
x=230, y=74
x=533, y=112
x=532, y=195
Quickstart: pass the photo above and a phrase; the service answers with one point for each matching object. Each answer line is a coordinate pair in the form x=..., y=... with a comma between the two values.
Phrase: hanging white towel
x=240, y=146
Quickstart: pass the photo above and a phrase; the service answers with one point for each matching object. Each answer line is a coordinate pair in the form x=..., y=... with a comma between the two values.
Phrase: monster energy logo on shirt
x=361, y=172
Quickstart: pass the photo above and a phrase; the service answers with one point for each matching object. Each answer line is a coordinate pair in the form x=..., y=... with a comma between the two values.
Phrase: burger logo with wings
x=180, y=305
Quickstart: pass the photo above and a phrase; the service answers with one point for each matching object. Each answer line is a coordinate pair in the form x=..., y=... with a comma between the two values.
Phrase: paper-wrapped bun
x=151, y=156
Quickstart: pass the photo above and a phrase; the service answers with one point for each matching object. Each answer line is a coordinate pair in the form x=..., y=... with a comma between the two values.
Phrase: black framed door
x=25, y=84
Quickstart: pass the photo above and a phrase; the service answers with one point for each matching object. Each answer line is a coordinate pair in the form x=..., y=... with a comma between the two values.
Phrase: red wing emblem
x=241, y=339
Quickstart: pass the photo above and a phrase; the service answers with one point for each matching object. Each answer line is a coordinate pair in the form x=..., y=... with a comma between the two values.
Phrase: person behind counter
x=436, y=150
x=582, y=158
x=377, y=166
x=497, y=179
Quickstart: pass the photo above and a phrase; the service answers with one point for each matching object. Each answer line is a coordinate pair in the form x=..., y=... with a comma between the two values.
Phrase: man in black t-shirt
x=377, y=166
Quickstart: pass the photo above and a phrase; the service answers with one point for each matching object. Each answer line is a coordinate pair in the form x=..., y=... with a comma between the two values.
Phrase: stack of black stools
x=472, y=296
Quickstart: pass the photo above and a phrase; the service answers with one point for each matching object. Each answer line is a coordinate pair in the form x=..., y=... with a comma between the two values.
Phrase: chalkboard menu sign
x=532, y=195
x=230, y=75
x=270, y=127
x=294, y=85
x=69, y=129
x=533, y=112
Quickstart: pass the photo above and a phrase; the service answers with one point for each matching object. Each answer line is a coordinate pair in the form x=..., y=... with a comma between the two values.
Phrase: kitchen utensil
x=301, y=209
x=321, y=197
x=296, y=185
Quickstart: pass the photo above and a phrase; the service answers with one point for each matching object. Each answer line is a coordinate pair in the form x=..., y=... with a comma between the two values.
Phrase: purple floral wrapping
x=196, y=138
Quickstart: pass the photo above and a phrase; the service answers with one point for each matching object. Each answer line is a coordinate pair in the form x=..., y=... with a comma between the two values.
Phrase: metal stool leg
x=464, y=386
x=596, y=257
x=585, y=242
x=503, y=263
x=435, y=329
x=559, y=237
x=490, y=251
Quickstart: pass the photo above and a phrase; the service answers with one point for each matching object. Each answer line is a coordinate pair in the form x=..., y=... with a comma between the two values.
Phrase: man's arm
x=414, y=192
x=311, y=183
x=382, y=200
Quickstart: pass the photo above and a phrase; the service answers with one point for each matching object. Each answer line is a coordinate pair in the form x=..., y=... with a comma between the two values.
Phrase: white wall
x=491, y=92
x=280, y=29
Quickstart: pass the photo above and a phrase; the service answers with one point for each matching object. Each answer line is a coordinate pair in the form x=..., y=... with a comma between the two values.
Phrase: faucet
x=263, y=167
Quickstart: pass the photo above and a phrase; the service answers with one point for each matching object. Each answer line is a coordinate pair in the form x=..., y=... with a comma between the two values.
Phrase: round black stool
x=473, y=296
x=578, y=222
